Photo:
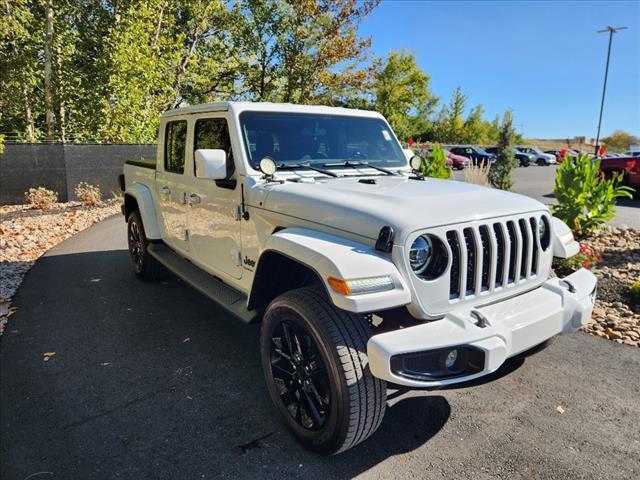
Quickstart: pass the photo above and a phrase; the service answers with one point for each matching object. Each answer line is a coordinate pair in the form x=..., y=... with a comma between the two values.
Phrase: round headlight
x=420, y=254
x=542, y=227
x=544, y=233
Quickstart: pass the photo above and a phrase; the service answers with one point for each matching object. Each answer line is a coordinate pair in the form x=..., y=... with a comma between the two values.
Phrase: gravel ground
x=616, y=315
x=26, y=234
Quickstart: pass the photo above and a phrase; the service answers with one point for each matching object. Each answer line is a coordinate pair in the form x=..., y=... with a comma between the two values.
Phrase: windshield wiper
x=358, y=164
x=294, y=166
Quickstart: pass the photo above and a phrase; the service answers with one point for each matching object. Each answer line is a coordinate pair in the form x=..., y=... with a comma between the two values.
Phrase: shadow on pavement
x=152, y=380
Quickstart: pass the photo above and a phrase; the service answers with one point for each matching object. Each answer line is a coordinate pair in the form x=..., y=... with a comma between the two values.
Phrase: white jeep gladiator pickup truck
x=311, y=220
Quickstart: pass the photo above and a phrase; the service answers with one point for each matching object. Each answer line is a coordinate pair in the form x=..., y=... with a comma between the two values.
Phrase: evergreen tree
x=500, y=172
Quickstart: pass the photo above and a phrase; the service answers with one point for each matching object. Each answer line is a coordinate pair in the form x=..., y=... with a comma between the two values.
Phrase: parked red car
x=627, y=166
x=457, y=162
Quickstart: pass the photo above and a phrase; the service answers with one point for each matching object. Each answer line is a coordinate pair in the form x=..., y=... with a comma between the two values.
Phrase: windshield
x=481, y=151
x=319, y=139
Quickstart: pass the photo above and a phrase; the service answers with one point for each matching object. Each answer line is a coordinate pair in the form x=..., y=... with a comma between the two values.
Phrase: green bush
x=586, y=199
x=634, y=289
x=435, y=165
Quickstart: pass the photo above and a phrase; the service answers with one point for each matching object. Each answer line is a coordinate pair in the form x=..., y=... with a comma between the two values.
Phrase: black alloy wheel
x=300, y=373
x=315, y=365
x=144, y=265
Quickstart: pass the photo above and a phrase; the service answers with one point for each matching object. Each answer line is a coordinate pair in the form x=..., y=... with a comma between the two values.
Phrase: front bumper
x=507, y=328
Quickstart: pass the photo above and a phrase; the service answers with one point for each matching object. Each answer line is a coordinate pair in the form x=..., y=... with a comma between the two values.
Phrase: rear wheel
x=315, y=366
x=144, y=265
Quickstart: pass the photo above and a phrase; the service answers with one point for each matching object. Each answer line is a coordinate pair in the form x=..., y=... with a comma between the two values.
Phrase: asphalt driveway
x=151, y=380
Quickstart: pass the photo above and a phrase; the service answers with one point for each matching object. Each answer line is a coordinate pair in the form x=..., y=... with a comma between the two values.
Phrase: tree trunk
x=48, y=93
x=62, y=124
x=31, y=129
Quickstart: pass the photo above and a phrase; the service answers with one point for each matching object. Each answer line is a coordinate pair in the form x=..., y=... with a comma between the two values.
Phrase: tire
x=541, y=162
x=326, y=348
x=144, y=265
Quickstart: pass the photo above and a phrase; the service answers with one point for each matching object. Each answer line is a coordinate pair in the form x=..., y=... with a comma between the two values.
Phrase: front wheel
x=314, y=358
x=541, y=162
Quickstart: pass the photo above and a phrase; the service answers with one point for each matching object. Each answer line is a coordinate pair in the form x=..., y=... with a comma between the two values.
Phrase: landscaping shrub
x=477, y=174
x=587, y=257
x=41, y=198
x=435, y=165
x=500, y=174
x=88, y=194
x=586, y=199
x=634, y=289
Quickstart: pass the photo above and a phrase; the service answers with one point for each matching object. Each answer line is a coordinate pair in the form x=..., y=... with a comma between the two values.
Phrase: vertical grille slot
x=454, y=274
x=525, y=247
x=497, y=230
x=536, y=242
x=471, y=261
x=513, y=242
x=486, y=257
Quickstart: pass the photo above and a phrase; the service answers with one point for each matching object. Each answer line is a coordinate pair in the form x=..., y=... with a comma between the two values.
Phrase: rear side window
x=175, y=141
x=213, y=133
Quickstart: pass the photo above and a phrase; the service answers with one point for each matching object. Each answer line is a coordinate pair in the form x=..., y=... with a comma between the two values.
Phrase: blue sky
x=543, y=60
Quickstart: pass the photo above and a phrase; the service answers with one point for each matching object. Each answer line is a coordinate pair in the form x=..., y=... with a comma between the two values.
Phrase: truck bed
x=143, y=162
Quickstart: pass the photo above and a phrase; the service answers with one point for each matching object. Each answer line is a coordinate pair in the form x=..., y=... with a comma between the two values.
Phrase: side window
x=213, y=133
x=175, y=141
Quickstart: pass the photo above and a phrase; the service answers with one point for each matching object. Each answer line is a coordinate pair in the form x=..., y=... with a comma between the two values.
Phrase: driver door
x=214, y=220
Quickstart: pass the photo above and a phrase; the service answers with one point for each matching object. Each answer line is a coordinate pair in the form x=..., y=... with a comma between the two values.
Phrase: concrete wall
x=61, y=167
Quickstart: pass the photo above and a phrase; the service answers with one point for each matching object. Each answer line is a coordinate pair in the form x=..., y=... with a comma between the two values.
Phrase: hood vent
x=368, y=181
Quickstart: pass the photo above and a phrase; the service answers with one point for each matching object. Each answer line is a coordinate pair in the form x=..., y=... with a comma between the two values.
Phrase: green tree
x=620, y=141
x=454, y=129
x=301, y=51
x=402, y=93
x=493, y=130
x=475, y=130
x=20, y=75
x=501, y=169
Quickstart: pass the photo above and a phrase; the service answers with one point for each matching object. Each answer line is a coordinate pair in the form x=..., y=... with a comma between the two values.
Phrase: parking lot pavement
x=152, y=380
x=538, y=182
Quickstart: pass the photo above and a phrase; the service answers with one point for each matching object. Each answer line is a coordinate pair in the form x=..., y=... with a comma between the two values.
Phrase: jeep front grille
x=492, y=256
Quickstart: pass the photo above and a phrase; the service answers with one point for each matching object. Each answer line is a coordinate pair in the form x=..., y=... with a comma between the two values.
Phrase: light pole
x=611, y=31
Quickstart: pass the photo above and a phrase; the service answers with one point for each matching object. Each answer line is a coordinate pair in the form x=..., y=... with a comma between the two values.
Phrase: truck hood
x=406, y=205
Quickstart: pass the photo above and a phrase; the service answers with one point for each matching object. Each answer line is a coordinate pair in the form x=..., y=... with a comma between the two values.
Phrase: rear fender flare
x=142, y=194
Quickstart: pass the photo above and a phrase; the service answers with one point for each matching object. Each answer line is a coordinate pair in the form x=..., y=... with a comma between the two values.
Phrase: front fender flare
x=143, y=197
x=563, y=243
x=331, y=256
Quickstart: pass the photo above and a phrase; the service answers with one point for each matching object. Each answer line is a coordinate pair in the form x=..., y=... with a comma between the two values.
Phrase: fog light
x=450, y=361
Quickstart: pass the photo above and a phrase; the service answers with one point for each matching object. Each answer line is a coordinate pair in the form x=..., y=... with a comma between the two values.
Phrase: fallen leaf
x=560, y=409
x=104, y=364
x=186, y=340
x=95, y=280
x=49, y=354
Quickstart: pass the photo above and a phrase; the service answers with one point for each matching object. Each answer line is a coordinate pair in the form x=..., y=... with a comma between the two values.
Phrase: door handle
x=165, y=190
x=194, y=198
